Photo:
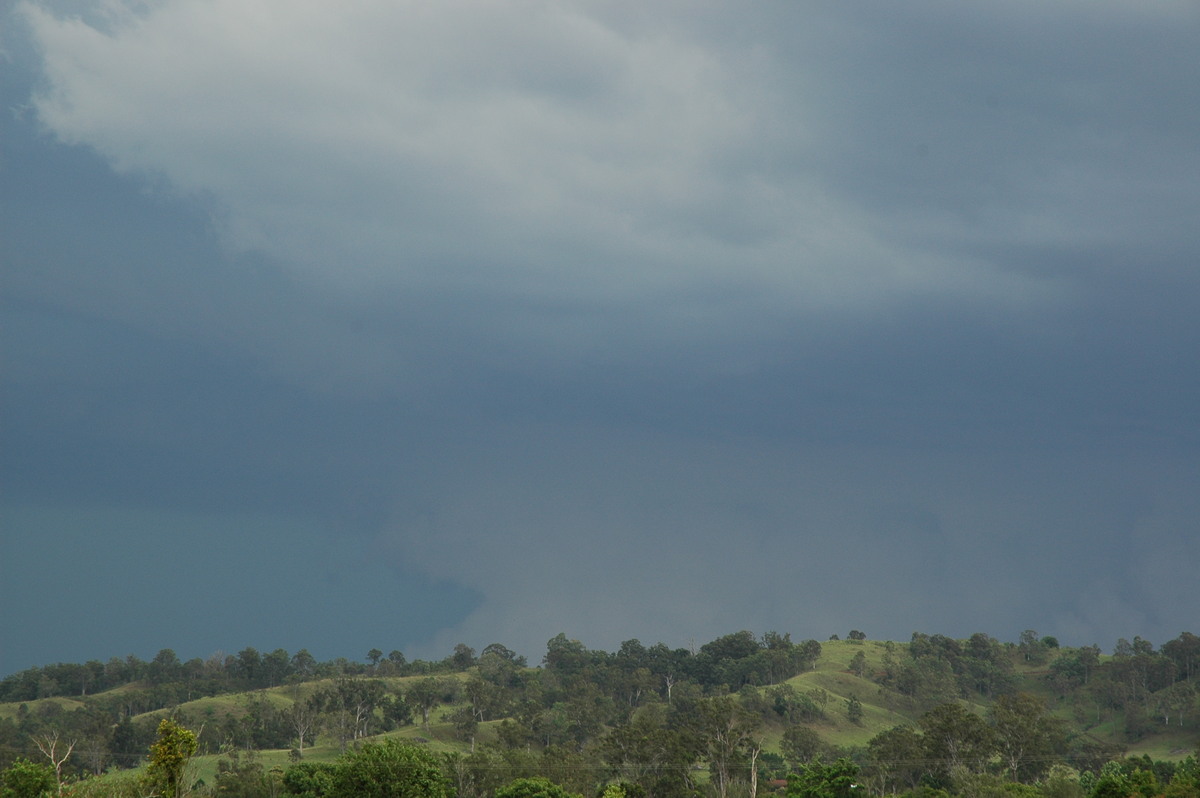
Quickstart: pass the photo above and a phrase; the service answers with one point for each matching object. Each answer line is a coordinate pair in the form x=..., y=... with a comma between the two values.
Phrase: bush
x=25, y=779
x=389, y=770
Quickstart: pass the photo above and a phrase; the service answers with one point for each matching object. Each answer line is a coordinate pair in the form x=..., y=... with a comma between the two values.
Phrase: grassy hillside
x=830, y=682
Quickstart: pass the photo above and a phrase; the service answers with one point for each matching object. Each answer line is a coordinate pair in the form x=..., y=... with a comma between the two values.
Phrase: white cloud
x=530, y=149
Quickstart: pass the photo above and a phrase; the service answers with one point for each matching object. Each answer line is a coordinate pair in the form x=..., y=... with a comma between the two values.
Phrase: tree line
x=722, y=720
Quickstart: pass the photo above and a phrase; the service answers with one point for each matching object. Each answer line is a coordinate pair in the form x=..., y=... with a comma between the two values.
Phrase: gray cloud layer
x=625, y=321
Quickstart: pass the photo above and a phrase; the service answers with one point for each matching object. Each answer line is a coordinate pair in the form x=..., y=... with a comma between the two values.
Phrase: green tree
x=242, y=776
x=127, y=741
x=169, y=757
x=165, y=667
x=389, y=770
x=1185, y=781
x=820, y=780
x=1113, y=782
x=956, y=739
x=304, y=718
x=729, y=736
x=1026, y=737
x=304, y=664
x=25, y=779
x=799, y=745
x=1184, y=651
x=309, y=779
x=348, y=705
x=1174, y=701
x=1032, y=649
x=276, y=667
x=463, y=657
x=424, y=695
x=1061, y=781
x=651, y=755
x=854, y=710
x=897, y=758
x=535, y=787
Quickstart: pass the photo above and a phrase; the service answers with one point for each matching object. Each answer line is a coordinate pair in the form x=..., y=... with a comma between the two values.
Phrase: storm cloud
x=616, y=320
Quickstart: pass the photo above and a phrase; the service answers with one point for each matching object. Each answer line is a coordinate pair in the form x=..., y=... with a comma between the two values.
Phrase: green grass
x=37, y=706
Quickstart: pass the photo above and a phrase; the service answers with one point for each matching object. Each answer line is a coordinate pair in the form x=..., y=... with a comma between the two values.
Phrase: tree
x=25, y=779
x=854, y=710
x=800, y=745
x=1025, y=735
x=309, y=779
x=94, y=727
x=856, y=635
x=463, y=657
x=651, y=755
x=169, y=756
x=276, y=667
x=819, y=780
x=858, y=664
x=48, y=744
x=500, y=666
x=897, y=757
x=1175, y=700
x=165, y=667
x=389, y=770
x=536, y=787
x=248, y=666
x=807, y=654
x=424, y=695
x=1184, y=651
x=1031, y=647
x=127, y=741
x=349, y=705
x=738, y=645
x=304, y=718
x=396, y=711
x=956, y=739
x=304, y=663
x=243, y=776
x=728, y=734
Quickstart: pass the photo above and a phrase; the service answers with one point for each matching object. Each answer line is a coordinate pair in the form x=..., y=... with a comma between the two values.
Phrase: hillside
x=592, y=713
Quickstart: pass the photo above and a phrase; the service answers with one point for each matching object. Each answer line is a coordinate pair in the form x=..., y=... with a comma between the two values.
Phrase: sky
x=397, y=325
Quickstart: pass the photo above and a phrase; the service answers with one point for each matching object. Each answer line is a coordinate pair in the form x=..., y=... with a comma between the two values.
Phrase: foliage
x=897, y=758
x=854, y=710
x=820, y=780
x=535, y=787
x=389, y=770
x=956, y=740
x=243, y=776
x=659, y=722
x=800, y=745
x=309, y=780
x=1026, y=738
x=25, y=779
x=169, y=755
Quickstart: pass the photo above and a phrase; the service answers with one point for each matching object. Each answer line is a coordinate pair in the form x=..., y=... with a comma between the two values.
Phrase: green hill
x=835, y=697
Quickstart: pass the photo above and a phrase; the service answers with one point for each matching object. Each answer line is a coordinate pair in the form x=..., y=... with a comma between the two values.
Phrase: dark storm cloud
x=622, y=321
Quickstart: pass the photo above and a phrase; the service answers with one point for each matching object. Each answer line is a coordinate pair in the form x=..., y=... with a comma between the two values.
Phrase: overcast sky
x=396, y=325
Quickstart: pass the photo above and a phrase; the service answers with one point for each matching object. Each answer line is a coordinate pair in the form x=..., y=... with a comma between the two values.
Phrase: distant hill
x=783, y=701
